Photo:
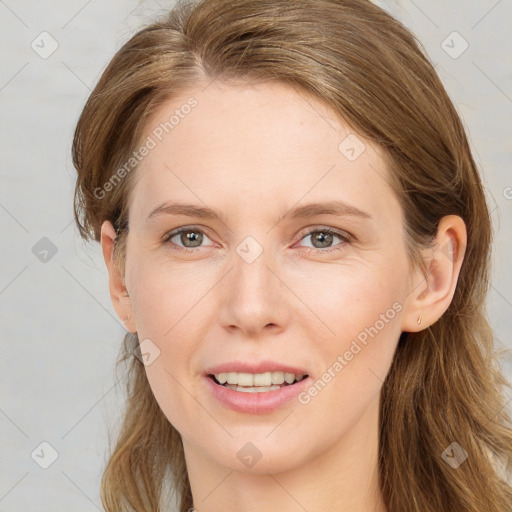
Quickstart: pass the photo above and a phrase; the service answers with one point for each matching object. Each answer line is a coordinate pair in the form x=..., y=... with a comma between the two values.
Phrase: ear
x=118, y=293
x=431, y=295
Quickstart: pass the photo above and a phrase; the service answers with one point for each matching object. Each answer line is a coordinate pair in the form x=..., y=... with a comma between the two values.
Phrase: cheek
x=362, y=308
x=167, y=294
x=350, y=297
x=166, y=305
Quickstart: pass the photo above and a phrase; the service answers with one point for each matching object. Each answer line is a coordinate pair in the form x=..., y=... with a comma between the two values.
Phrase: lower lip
x=258, y=402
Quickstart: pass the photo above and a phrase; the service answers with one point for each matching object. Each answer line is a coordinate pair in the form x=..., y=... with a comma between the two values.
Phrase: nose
x=254, y=301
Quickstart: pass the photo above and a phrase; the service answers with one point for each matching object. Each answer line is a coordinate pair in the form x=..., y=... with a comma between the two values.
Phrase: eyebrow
x=337, y=208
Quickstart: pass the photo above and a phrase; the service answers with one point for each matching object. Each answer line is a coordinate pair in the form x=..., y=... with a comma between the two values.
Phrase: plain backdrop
x=59, y=334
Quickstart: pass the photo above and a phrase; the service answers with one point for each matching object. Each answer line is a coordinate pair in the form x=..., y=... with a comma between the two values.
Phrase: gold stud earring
x=419, y=319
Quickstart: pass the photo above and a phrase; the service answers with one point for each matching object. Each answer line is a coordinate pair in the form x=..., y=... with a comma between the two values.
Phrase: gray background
x=59, y=333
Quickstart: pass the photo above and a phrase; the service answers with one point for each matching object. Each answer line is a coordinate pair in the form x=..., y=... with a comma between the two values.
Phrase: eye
x=322, y=238
x=189, y=237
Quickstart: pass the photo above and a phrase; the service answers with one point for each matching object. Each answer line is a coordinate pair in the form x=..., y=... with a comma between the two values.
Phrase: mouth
x=256, y=383
x=255, y=393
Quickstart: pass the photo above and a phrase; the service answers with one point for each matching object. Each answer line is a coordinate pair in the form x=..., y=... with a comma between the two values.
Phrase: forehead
x=262, y=147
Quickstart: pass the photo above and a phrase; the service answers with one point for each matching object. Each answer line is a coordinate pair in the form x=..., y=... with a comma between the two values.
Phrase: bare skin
x=254, y=153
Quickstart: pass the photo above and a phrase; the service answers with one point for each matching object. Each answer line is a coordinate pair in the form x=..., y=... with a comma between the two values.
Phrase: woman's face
x=262, y=286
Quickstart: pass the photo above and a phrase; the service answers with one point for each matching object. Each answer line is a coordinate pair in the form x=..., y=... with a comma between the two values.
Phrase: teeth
x=242, y=379
x=260, y=380
x=289, y=377
x=277, y=377
x=259, y=389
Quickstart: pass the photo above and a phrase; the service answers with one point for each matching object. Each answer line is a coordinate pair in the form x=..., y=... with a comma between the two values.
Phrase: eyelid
x=315, y=228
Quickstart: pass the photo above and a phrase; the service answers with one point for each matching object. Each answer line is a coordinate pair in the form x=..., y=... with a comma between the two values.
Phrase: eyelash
x=345, y=237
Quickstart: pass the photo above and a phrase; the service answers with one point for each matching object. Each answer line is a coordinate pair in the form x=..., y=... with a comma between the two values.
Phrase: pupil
x=191, y=236
x=325, y=238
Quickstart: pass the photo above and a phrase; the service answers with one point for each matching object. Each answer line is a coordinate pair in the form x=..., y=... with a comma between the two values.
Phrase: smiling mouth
x=257, y=389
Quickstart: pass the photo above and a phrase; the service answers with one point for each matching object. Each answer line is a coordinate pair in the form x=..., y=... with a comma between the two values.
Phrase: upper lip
x=261, y=367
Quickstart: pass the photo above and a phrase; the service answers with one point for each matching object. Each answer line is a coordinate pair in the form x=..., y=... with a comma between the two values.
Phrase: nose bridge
x=252, y=276
x=252, y=297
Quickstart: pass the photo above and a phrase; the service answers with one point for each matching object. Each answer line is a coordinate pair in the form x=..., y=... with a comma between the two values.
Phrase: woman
x=297, y=242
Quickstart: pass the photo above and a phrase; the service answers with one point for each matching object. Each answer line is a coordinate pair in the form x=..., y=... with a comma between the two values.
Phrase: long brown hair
x=445, y=385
